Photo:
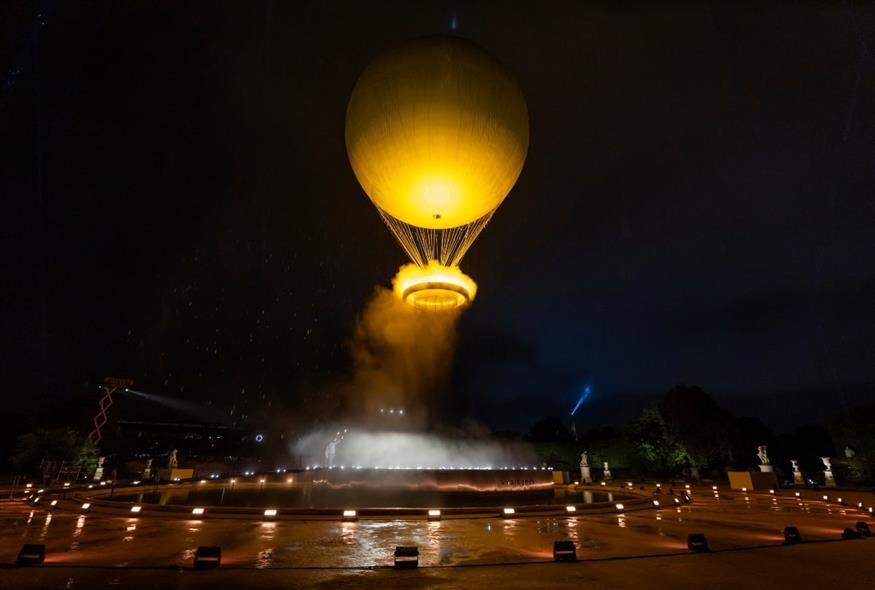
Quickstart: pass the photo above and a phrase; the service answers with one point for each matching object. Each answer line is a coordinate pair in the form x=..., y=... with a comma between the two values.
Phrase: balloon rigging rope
x=447, y=246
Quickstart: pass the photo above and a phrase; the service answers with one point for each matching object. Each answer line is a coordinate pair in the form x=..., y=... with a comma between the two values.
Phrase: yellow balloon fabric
x=437, y=132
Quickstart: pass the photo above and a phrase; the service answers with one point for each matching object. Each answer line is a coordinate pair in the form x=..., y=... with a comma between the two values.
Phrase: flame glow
x=434, y=287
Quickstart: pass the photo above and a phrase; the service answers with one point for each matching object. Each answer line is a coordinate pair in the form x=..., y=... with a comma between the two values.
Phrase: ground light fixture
x=656, y=503
x=349, y=516
x=86, y=505
x=53, y=503
x=434, y=514
x=136, y=509
x=792, y=535
x=270, y=512
x=619, y=507
x=198, y=511
x=406, y=557
x=571, y=509
x=508, y=512
x=564, y=550
x=31, y=554
x=207, y=557
x=697, y=542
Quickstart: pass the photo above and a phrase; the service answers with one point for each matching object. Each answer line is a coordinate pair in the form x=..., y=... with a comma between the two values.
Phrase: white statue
x=147, y=472
x=585, y=475
x=797, y=475
x=172, y=462
x=98, y=473
x=761, y=453
x=849, y=452
x=607, y=474
x=828, y=478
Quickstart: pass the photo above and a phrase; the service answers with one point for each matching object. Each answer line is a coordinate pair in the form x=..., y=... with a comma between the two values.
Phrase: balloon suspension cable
x=447, y=246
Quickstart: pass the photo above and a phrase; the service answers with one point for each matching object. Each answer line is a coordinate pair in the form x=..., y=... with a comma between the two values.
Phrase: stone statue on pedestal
x=797, y=475
x=849, y=452
x=585, y=476
x=172, y=463
x=147, y=472
x=765, y=466
x=607, y=473
x=828, y=479
x=98, y=473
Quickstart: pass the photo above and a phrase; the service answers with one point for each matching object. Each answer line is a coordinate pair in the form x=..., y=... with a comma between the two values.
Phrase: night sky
x=697, y=204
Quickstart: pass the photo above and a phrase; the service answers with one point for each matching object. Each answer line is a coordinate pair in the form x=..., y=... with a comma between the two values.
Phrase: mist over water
x=394, y=414
x=362, y=448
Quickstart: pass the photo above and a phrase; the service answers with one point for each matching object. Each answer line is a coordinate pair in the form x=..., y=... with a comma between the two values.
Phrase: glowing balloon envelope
x=437, y=131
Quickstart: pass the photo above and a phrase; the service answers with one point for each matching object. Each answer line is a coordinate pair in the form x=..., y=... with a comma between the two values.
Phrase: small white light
x=350, y=515
x=103, y=483
x=798, y=494
x=571, y=509
x=771, y=491
x=86, y=506
x=870, y=510
x=508, y=511
x=270, y=512
x=40, y=491
x=289, y=480
x=839, y=500
x=203, y=481
x=66, y=484
x=676, y=501
x=714, y=488
x=826, y=498
x=136, y=483
x=656, y=502
x=29, y=485
x=53, y=503
x=687, y=486
x=744, y=489
x=261, y=480
x=619, y=506
x=659, y=485
x=860, y=505
x=577, y=483
x=197, y=511
x=136, y=509
x=604, y=484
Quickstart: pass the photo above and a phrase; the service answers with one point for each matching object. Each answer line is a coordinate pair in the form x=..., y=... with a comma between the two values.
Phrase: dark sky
x=697, y=204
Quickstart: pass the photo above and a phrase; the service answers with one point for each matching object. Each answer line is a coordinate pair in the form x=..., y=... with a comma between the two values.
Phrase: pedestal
x=585, y=475
x=797, y=478
x=607, y=475
x=828, y=479
x=98, y=474
x=175, y=474
x=767, y=469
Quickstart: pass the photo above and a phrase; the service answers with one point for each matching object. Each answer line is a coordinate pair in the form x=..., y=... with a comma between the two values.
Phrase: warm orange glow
x=435, y=287
x=437, y=132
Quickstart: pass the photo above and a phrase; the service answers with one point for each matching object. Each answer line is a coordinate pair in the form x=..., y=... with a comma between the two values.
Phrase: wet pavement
x=732, y=522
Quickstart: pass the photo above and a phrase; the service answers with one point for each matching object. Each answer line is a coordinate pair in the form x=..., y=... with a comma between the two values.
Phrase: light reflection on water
x=266, y=537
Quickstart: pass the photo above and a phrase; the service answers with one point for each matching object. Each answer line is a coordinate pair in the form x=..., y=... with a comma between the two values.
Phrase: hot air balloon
x=437, y=132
